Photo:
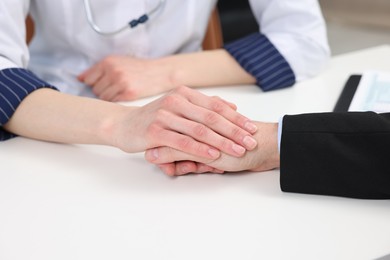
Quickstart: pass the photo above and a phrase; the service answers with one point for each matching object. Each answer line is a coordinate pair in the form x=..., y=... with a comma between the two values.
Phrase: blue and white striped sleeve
x=15, y=85
x=260, y=58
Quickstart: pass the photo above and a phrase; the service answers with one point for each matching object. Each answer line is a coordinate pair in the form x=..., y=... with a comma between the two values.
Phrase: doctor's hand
x=188, y=121
x=264, y=157
x=124, y=78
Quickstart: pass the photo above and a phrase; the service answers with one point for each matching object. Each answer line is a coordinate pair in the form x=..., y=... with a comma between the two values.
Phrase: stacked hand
x=188, y=121
x=264, y=157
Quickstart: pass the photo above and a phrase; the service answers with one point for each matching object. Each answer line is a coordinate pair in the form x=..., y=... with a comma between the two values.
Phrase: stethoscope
x=133, y=23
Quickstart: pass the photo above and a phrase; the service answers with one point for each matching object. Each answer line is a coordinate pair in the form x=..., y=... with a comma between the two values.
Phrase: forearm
x=49, y=115
x=342, y=154
x=183, y=119
x=207, y=68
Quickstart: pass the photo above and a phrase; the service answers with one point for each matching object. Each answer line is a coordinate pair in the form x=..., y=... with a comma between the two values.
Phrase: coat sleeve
x=290, y=46
x=16, y=82
x=341, y=154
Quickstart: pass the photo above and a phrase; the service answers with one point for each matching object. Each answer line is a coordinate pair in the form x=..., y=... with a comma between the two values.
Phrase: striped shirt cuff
x=15, y=85
x=260, y=58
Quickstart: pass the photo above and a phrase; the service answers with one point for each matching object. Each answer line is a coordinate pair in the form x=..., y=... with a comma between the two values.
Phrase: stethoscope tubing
x=131, y=24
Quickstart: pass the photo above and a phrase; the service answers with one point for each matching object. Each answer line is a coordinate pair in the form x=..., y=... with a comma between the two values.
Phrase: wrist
x=209, y=68
x=196, y=69
x=110, y=126
x=267, y=153
x=169, y=70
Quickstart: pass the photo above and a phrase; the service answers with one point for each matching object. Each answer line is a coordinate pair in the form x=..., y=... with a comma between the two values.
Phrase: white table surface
x=93, y=202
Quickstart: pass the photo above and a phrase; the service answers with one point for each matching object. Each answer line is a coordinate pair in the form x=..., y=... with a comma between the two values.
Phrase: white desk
x=92, y=202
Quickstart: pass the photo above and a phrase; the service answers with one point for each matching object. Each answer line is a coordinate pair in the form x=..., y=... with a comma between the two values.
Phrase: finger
x=218, y=106
x=109, y=94
x=179, y=167
x=166, y=155
x=226, y=129
x=128, y=95
x=198, y=131
x=186, y=144
x=92, y=75
x=101, y=85
x=204, y=168
x=209, y=127
x=105, y=90
x=230, y=104
x=185, y=167
x=168, y=169
x=204, y=134
x=81, y=77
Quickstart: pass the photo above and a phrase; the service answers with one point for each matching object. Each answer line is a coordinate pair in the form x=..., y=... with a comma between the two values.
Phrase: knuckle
x=117, y=74
x=123, y=86
x=104, y=97
x=187, y=168
x=200, y=130
x=156, y=136
x=109, y=61
x=170, y=101
x=161, y=117
x=225, y=144
x=182, y=89
x=217, y=105
x=153, y=130
x=236, y=133
x=185, y=143
x=199, y=149
x=211, y=118
x=240, y=120
x=129, y=94
x=96, y=91
x=123, y=83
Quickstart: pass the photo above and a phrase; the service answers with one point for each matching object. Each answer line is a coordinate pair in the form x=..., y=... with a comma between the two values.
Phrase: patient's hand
x=264, y=157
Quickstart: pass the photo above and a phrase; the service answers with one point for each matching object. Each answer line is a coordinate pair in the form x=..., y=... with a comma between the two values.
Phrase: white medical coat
x=65, y=44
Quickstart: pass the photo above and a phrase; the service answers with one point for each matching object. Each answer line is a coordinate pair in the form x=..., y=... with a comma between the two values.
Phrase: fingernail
x=214, y=153
x=238, y=149
x=249, y=142
x=155, y=153
x=251, y=127
x=184, y=170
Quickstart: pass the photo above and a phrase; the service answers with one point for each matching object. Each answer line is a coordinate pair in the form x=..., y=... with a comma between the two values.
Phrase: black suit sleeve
x=341, y=154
